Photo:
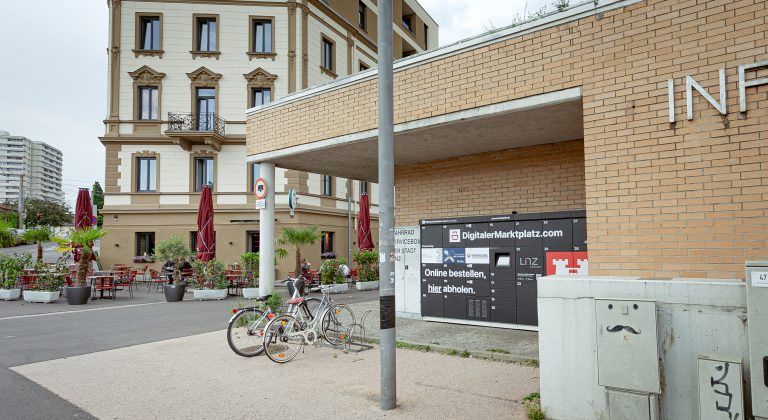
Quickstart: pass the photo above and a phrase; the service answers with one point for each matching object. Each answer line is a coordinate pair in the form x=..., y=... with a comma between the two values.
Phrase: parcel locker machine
x=484, y=269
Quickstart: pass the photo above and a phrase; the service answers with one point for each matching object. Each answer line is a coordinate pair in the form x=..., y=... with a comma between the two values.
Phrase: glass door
x=206, y=107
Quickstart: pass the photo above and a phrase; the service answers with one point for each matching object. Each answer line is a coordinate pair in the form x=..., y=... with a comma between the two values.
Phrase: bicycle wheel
x=245, y=333
x=336, y=322
x=310, y=310
x=281, y=339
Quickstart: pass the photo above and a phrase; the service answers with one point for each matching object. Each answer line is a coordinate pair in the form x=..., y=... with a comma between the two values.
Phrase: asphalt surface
x=31, y=333
x=50, y=254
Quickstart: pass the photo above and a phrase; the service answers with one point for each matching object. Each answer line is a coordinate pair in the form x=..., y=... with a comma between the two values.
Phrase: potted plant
x=47, y=286
x=83, y=239
x=11, y=267
x=298, y=237
x=250, y=263
x=173, y=250
x=367, y=269
x=210, y=280
x=331, y=277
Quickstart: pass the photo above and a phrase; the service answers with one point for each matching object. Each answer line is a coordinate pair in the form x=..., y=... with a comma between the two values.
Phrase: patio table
x=94, y=279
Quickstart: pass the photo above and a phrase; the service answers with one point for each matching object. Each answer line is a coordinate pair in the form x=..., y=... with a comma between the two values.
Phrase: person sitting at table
x=168, y=269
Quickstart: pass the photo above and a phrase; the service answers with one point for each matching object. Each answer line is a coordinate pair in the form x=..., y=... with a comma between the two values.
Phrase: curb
x=487, y=355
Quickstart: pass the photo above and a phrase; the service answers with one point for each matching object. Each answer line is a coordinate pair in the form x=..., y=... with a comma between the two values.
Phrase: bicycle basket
x=292, y=287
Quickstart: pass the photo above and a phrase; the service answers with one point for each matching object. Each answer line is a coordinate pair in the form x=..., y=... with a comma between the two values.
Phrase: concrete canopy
x=541, y=119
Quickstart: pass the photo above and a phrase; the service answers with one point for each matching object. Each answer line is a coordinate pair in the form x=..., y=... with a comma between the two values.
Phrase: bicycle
x=285, y=335
x=246, y=327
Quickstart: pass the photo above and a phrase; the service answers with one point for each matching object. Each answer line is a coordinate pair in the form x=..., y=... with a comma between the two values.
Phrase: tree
x=38, y=235
x=81, y=238
x=298, y=237
x=98, y=201
x=46, y=213
x=173, y=250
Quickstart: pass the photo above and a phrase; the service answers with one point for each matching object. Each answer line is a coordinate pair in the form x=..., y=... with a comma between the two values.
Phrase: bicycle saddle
x=295, y=301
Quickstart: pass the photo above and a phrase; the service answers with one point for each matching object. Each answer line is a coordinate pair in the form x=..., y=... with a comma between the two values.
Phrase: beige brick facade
x=526, y=179
x=662, y=201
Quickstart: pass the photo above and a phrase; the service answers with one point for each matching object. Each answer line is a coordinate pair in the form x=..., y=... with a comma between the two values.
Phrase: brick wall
x=549, y=177
x=685, y=201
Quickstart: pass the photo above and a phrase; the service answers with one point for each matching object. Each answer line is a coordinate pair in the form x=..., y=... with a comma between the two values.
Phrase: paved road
x=35, y=332
x=49, y=251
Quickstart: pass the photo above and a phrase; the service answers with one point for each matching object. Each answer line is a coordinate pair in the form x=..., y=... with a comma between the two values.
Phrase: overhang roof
x=541, y=119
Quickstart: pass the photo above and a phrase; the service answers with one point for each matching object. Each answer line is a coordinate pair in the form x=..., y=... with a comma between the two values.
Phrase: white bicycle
x=285, y=335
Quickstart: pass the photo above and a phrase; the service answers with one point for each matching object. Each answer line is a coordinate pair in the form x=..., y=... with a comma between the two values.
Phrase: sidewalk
x=483, y=342
x=199, y=377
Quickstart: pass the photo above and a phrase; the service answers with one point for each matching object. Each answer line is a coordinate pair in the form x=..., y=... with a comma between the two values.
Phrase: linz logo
x=454, y=235
x=530, y=261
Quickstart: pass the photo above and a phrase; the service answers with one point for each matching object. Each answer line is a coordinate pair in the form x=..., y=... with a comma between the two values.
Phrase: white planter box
x=10, y=294
x=210, y=294
x=367, y=285
x=336, y=288
x=40, y=297
x=250, y=292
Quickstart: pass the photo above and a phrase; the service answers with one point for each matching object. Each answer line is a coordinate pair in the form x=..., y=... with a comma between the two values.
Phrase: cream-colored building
x=181, y=76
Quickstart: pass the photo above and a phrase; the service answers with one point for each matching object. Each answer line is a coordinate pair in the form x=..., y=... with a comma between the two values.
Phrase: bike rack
x=362, y=345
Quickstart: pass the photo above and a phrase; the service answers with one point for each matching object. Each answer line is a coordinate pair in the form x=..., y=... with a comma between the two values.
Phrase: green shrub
x=329, y=271
x=273, y=302
x=209, y=275
x=367, y=265
x=11, y=268
x=532, y=404
x=250, y=262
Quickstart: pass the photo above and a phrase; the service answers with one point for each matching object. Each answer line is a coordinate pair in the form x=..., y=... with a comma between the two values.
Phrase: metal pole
x=21, y=202
x=349, y=221
x=94, y=209
x=388, y=399
x=267, y=233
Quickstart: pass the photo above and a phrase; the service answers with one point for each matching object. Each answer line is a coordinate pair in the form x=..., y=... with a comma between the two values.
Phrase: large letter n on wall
x=691, y=84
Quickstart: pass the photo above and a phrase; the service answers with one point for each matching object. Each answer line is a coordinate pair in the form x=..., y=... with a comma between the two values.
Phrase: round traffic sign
x=260, y=189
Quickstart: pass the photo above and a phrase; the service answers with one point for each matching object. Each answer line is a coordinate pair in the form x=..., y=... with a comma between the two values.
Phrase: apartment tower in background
x=38, y=162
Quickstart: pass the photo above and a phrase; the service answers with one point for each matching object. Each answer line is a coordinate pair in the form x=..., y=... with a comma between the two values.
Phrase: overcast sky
x=53, y=64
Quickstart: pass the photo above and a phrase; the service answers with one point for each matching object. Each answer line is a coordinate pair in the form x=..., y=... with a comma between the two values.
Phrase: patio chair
x=235, y=282
x=28, y=281
x=105, y=283
x=126, y=282
x=156, y=279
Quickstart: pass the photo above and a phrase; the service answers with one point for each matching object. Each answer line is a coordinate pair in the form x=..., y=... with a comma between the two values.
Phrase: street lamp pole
x=388, y=398
x=21, y=201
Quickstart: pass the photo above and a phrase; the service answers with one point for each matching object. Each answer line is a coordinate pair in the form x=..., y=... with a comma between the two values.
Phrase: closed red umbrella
x=83, y=216
x=83, y=209
x=364, y=240
x=206, y=238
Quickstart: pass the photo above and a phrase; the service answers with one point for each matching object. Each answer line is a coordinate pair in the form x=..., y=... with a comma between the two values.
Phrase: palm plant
x=298, y=237
x=81, y=239
x=38, y=235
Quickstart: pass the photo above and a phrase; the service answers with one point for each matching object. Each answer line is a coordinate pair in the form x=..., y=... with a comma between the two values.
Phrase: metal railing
x=202, y=122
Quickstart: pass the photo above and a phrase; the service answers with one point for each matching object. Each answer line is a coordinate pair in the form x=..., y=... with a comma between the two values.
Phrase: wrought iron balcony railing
x=202, y=122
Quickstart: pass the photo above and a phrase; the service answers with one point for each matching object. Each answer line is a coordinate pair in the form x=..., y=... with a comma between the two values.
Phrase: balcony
x=190, y=129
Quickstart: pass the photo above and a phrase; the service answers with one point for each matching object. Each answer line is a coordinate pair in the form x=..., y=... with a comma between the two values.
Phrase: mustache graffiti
x=627, y=328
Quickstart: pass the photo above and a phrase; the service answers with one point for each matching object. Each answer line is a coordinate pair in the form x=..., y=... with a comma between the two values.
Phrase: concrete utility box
x=720, y=392
x=757, y=313
x=627, y=354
